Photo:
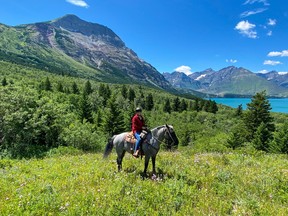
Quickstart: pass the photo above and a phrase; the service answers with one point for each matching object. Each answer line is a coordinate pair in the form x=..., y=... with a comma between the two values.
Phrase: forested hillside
x=53, y=130
x=40, y=111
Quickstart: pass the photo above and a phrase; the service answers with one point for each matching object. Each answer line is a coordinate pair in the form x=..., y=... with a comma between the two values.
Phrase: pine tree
x=60, y=87
x=88, y=88
x=4, y=82
x=176, y=104
x=213, y=108
x=113, y=121
x=239, y=110
x=149, y=103
x=262, y=138
x=280, y=141
x=196, y=105
x=86, y=109
x=47, y=85
x=105, y=92
x=167, y=107
x=124, y=91
x=183, y=105
x=258, y=112
x=75, y=89
x=238, y=136
x=131, y=94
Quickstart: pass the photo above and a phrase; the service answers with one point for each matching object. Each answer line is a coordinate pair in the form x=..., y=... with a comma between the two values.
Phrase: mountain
x=230, y=81
x=72, y=46
x=279, y=78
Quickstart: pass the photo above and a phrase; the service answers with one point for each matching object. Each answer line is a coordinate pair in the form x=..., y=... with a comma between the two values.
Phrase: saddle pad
x=130, y=138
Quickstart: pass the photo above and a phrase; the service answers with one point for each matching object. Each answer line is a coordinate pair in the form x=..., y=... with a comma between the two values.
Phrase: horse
x=150, y=145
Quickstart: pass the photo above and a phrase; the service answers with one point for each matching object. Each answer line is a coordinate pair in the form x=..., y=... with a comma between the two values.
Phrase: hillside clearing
x=201, y=184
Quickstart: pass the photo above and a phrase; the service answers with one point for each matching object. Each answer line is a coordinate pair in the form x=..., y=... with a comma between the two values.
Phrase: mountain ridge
x=228, y=81
x=71, y=46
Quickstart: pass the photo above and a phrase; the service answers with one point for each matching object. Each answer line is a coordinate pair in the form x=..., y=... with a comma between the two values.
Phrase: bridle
x=169, y=133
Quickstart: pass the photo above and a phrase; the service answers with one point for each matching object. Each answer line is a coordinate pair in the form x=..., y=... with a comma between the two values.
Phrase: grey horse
x=150, y=146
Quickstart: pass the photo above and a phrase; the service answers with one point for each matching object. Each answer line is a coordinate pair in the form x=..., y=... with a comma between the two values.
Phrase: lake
x=278, y=105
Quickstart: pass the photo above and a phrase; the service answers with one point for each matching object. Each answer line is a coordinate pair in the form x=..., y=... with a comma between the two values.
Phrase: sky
x=179, y=35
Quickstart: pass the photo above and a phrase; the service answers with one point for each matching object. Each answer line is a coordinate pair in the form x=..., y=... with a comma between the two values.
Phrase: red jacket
x=137, y=123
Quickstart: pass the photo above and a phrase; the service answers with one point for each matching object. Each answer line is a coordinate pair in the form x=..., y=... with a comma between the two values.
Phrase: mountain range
x=231, y=82
x=74, y=47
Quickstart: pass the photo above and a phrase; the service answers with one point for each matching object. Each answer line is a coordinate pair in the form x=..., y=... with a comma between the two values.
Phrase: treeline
x=40, y=111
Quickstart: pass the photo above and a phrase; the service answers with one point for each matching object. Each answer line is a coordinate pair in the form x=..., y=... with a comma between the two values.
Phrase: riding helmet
x=138, y=109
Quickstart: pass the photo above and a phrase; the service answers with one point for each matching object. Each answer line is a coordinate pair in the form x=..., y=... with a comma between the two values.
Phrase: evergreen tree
x=105, y=92
x=238, y=136
x=86, y=109
x=196, y=105
x=75, y=89
x=88, y=88
x=239, y=110
x=124, y=91
x=176, y=104
x=213, y=108
x=280, y=141
x=183, y=105
x=60, y=87
x=113, y=121
x=149, y=104
x=258, y=112
x=167, y=107
x=47, y=85
x=4, y=82
x=262, y=138
x=131, y=94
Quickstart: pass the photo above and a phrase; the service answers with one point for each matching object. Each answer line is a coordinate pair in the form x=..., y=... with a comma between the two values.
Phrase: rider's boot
x=136, y=153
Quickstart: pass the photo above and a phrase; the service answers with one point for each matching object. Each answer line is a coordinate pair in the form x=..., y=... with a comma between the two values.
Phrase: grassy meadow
x=186, y=183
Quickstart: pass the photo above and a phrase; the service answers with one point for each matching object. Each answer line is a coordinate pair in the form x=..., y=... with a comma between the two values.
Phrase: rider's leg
x=137, y=144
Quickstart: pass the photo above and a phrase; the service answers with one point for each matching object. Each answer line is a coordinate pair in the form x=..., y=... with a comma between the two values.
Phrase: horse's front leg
x=119, y=160
x=153, y=164
x=146, y=164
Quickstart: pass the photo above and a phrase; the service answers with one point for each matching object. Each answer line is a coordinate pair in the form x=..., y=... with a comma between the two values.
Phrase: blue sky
x=187, y=35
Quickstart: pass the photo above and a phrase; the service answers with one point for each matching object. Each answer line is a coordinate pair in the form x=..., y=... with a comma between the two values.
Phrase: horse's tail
x=109, y=147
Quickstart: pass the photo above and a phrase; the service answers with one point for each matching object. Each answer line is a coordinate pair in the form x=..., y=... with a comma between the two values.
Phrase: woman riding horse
x=138, y=124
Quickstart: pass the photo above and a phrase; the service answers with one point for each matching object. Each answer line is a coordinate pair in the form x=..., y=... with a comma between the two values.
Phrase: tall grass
x=185, y=184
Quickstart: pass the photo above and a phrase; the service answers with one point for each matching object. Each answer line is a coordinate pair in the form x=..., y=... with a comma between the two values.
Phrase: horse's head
x=170, y=135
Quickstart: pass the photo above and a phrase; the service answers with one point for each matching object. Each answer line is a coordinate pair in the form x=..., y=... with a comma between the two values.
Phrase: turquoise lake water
x=278, y=105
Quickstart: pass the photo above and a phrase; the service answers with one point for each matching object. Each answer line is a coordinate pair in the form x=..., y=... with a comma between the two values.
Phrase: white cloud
x=80, y=3
x=284, y=53
x=184, y=69
x=231, y=60
x=270, y=62
x=269, y=33
x=271, y=22
x=245, y=28
x=263, y=71
x=265, y=2
x=282, y=73
x=249, y=13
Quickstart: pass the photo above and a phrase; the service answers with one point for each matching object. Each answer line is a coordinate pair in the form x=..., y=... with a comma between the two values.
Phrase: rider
x=138, y=124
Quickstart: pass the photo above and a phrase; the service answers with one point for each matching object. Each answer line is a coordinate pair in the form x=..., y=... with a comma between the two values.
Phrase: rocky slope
x=72, y=46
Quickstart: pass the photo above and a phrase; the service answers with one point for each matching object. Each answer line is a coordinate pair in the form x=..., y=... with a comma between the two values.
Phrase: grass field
x=186, y=184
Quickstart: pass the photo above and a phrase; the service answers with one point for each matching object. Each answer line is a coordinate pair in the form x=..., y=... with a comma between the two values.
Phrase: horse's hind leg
x=146, y=164
x=119, y=160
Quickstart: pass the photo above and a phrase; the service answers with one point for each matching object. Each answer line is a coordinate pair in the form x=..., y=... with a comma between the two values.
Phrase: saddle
x=130, y=138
